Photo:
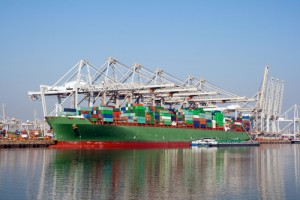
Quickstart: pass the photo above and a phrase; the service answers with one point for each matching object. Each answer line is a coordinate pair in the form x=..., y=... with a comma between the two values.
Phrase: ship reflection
x=265, y=172
x=206, y=173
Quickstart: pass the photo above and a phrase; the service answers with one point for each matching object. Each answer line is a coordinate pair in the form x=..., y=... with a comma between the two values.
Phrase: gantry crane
x=115, y=83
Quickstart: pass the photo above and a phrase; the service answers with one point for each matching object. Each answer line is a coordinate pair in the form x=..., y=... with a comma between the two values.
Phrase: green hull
x=86, y=131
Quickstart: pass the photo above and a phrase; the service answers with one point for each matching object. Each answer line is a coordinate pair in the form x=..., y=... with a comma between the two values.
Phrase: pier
x=25, y=143
x=270, y=140
x=275, y=142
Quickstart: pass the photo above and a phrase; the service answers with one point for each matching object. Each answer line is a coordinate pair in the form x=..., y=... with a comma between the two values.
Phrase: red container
x=94, y=116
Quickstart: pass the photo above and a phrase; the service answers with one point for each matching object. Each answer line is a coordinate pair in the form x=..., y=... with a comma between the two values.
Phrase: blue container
x=196, y=124
x=202, y=125
x=69, y=110
x=87, y=115
x=107, y=116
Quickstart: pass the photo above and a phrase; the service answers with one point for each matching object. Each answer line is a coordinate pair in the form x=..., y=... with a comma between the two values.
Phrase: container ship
x=139, y=126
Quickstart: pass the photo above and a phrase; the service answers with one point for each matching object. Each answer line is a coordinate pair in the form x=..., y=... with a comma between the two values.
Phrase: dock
x=275, y=142
x=5, y=144
x=250, y=143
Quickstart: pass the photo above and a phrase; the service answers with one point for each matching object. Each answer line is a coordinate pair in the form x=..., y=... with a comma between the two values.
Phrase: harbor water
x=264, y=172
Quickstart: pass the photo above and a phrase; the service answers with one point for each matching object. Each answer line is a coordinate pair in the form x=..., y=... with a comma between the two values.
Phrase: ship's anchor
x=76, y=131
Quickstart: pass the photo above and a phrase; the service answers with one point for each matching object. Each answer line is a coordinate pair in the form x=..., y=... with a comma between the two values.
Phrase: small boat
x=295, y=141
x=206, y=142
x=210, y=142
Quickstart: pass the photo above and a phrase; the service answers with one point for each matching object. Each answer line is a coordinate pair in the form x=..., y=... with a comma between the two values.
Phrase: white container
x=214, y=123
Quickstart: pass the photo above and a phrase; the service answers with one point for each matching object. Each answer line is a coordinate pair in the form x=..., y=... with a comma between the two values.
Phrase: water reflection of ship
x=268, y=172
x=128, y=173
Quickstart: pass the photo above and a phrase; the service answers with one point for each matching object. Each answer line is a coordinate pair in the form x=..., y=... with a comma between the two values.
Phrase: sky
x=228, y=43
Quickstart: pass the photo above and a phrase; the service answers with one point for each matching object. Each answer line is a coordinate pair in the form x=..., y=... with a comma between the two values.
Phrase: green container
x=220, y=123
x=93, y=119
x=151, y=113
x=165, y=114
x=167, y=122
x=201, y=110
x=128, y=111
x=195, y=112
x=189, y=121
x=106, y=112
x=139, y=108
x=140, y=114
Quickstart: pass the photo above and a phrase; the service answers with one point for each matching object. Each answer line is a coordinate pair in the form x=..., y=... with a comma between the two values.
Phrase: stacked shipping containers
x=208, y=117
x=165, y=117
x=218, y=117
x=246, y=122
x=137, y=113
x=134, y=113
x=107, y=113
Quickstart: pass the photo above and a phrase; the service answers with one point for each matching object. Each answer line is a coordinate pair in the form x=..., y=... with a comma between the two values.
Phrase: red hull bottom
x=118, y=145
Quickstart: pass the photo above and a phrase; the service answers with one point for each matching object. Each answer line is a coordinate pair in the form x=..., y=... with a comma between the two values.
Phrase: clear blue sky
x=226, y=42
